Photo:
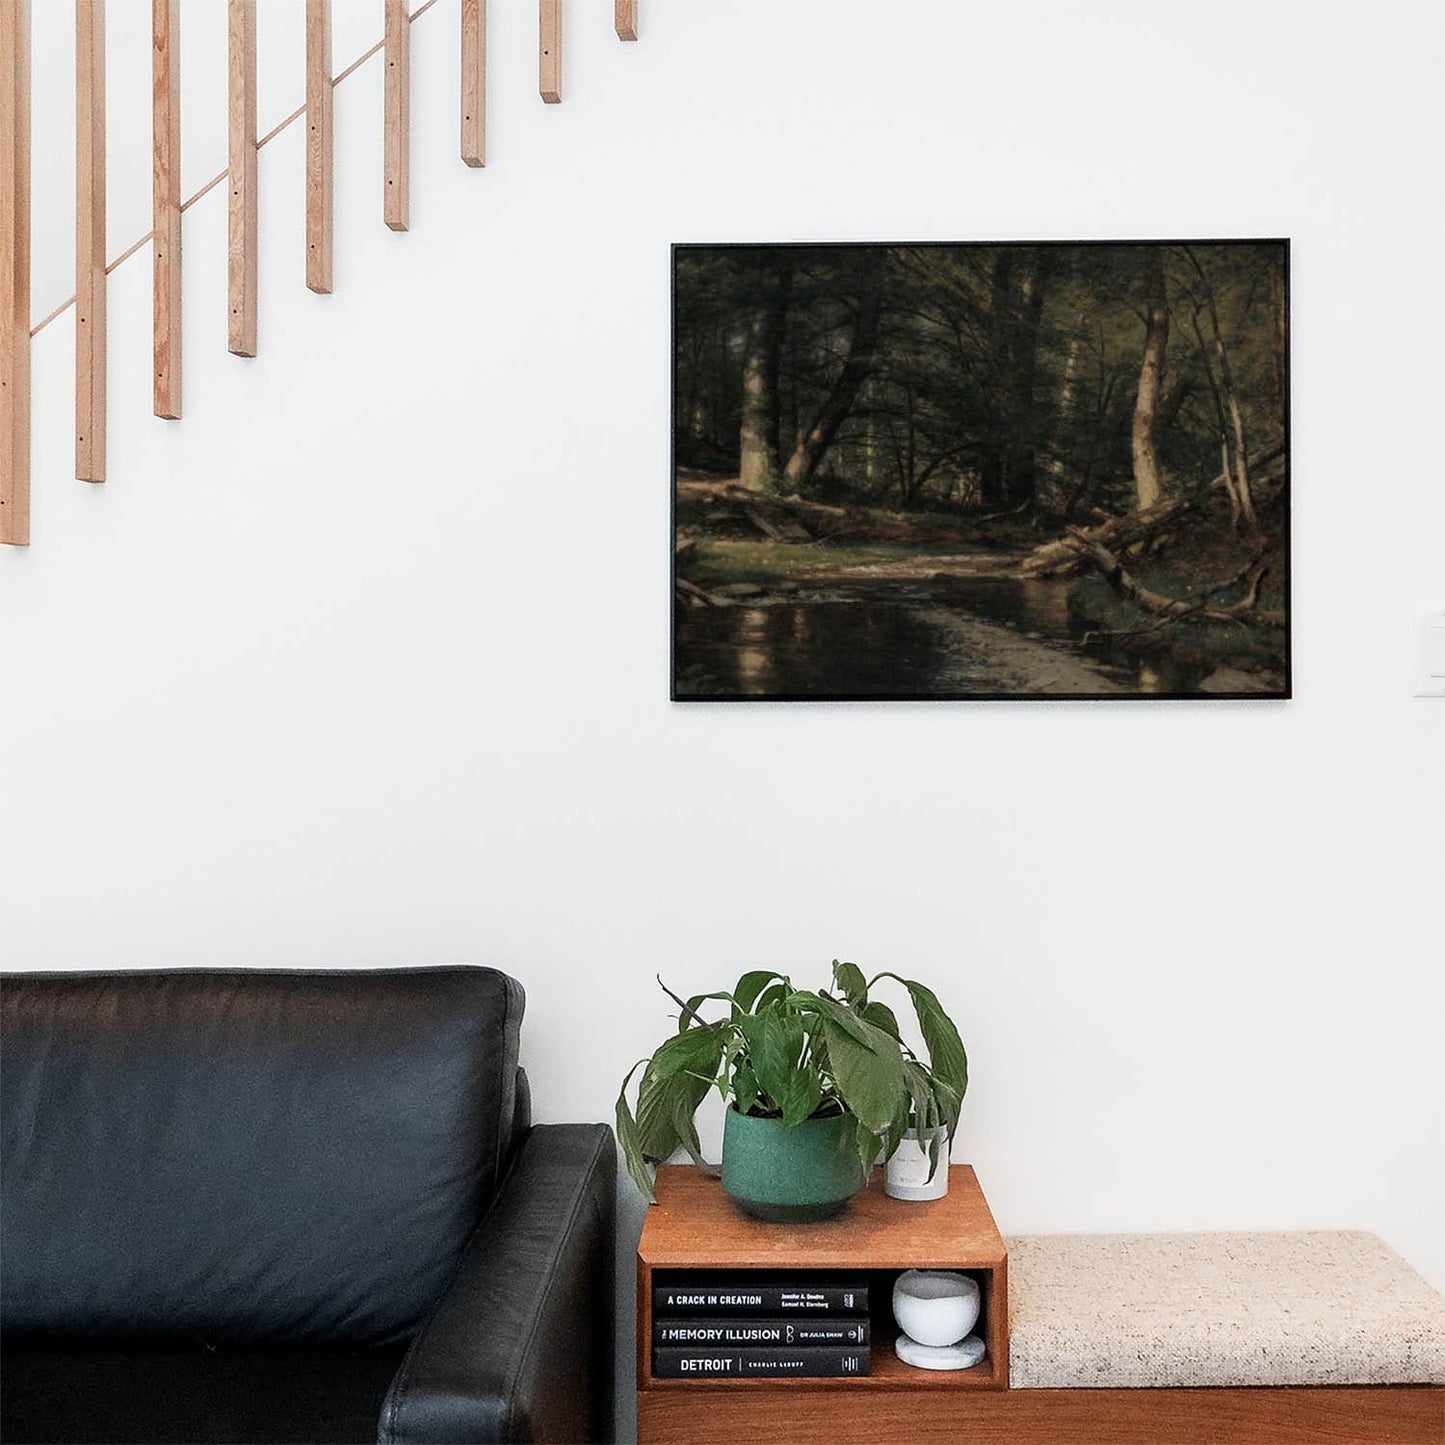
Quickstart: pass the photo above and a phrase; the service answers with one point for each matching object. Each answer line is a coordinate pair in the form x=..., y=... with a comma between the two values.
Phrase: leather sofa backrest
x=246, y=1156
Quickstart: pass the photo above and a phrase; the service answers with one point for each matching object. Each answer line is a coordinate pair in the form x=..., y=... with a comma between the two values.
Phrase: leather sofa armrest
x=520, y=1346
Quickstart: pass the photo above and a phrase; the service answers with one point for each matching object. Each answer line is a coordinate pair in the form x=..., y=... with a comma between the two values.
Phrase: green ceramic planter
x=791, y=1176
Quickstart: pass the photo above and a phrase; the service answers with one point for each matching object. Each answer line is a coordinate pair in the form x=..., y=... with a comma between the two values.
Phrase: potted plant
x=816, y=1082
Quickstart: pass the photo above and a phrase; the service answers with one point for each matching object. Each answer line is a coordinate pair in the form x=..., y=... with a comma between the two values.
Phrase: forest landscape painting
x=1012, y=471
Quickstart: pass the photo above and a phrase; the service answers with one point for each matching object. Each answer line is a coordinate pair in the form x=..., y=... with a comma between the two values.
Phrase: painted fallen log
x=1173, y=609
x=1060, y=558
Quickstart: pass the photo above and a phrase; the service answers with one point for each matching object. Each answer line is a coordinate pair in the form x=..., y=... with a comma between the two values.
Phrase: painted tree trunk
x=993, y=463
x=1008, y=469
x=1241, y=492
x=1148, y=485
x=815, y=440
x=1064, y=416
x=759, y=464
x=1021, y=473
x=1227, y=466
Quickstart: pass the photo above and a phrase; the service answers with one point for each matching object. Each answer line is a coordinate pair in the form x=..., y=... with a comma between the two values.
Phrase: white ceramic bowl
x=935, y=1306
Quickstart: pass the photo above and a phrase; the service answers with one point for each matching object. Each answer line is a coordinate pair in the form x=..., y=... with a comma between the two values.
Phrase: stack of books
x=745, y=1328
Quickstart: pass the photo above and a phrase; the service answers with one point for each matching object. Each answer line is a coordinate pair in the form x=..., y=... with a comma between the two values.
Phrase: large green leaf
x=750, y=985
x=849, y=981
x=773, y=993
x=934, y=1108
x=690, y=1017
x=695, y=1051
x=775, y=1045
x=867, y=1142
x=676, y=1081
x=630, y=1138
x=949, y=1104
x=687, y=1015
x=840, y=1016
x=922, y=1105
x=802, y=1097
x=656, y=1133
x=819, y=1062
x=869, y=1075
x=745, y=1087
x=881, y=1016
x=897, y=1126
x=683, y=1108
x=733, y=1048
x=945, y=1049
x=661, y=1103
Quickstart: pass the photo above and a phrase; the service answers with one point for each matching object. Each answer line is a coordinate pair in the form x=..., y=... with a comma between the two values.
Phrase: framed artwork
x=981, y=471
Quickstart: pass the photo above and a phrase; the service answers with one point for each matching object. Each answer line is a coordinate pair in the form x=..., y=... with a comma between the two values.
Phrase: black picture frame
x=808, y=645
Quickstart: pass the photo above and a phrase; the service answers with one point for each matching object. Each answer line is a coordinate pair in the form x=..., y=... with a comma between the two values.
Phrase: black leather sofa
x=293, y=1206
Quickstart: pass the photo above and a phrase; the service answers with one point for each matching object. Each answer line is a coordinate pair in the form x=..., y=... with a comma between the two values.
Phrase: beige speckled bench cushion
x=1116, y=1310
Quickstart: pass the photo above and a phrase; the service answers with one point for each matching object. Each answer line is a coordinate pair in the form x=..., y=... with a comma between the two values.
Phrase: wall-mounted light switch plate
x=1432, y=655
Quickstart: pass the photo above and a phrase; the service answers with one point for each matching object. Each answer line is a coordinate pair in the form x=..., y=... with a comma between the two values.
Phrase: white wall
x=365, y=661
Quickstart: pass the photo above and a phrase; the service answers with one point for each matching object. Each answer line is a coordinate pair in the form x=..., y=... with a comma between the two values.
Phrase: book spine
x=743, y=1299
x=814, y=1361
x=823, y=1330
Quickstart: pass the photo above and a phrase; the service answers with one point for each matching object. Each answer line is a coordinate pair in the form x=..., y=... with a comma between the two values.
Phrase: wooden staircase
x=168, y=205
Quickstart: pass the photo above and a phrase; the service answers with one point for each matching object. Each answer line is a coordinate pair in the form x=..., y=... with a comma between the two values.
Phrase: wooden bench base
x=1287, y=1415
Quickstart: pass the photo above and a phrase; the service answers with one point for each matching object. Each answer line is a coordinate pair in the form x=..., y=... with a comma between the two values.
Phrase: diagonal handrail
x=216, y=180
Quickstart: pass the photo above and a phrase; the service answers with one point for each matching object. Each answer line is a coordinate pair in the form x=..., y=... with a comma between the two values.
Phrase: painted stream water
x=977, y=636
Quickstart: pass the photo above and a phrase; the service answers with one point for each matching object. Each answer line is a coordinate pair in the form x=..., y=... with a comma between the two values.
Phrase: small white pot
x=935, y=1306
x=905, y=1176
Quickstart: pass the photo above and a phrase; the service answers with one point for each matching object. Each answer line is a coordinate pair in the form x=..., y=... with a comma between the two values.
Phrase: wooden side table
x=695, y=1226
